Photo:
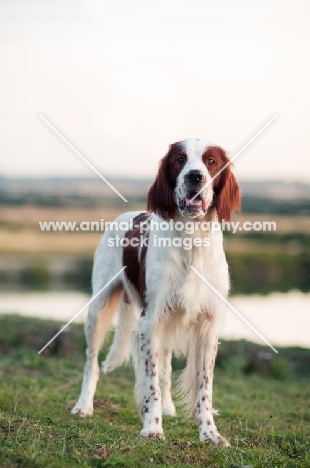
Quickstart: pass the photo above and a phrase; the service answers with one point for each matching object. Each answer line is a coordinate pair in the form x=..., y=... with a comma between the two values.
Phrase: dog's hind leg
x=168, y=406
x=97, y=325
x=128, y=314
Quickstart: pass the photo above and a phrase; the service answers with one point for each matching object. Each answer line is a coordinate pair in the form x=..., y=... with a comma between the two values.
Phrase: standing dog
x=161, y=304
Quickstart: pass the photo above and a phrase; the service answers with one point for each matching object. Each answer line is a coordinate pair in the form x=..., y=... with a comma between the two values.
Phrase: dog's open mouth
x=190, y=204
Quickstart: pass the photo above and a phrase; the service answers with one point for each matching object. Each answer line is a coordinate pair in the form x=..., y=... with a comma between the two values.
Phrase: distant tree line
x=250, y=204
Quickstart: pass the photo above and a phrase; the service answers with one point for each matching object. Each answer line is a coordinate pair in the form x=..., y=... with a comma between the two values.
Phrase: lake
x=283, y=319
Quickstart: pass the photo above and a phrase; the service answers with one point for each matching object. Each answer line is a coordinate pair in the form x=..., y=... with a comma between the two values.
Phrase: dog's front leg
x=147, y=386
x=204, y=411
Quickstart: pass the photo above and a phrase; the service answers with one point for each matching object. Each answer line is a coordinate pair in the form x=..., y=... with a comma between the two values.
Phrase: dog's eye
x=181, y=160
x=211, y=161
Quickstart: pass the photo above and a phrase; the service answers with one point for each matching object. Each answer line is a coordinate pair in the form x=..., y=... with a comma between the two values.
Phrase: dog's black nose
x=194, y=176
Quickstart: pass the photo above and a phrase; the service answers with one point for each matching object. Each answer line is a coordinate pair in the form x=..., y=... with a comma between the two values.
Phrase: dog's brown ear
x=227, y=192
x=160, y=196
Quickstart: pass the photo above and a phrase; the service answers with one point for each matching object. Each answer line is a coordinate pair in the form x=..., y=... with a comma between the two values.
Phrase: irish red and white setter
x=158, y=305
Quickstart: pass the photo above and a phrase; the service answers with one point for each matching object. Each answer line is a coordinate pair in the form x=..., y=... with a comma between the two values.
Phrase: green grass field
x=266, y=420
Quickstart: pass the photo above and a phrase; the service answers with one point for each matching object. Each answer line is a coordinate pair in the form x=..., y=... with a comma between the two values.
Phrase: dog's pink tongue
x=194, y=202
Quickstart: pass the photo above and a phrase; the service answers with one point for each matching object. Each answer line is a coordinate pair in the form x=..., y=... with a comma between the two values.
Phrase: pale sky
x=121, y=79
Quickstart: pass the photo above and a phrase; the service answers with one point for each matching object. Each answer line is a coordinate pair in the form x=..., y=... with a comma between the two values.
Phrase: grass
x=267, y=421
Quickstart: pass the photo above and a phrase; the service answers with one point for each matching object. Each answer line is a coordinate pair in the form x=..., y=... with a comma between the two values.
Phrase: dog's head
x=191, y=180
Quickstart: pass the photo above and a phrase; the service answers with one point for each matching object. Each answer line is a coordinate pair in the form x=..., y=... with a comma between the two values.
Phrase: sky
x=122, y=79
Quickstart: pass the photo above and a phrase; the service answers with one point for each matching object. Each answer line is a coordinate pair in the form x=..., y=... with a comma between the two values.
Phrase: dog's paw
x=222, y=442
x=148, y=434
x=217, y=440
x=82, y=411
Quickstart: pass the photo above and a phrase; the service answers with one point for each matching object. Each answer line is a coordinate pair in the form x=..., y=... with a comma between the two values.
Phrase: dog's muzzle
x=194, y=181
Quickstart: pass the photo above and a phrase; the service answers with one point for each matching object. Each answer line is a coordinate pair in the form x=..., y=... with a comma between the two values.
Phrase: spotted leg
x=147, y=390
x=206, y=353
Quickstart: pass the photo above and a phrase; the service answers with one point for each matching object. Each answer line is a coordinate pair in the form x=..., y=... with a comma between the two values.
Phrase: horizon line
x=143, y=178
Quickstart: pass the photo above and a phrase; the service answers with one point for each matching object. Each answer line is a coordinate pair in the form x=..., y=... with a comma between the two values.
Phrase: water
x=283, y=319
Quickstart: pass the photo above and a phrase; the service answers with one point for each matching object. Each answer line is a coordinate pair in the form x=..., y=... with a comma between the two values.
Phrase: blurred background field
x=261, y=262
